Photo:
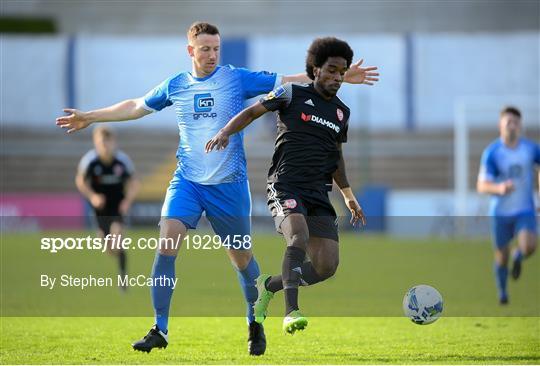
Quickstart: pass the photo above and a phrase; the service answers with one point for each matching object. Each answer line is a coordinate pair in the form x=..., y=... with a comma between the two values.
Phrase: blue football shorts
x=505, y=228
x=227, y=206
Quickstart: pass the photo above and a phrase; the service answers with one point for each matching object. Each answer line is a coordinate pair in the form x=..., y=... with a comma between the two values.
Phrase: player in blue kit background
x=507, y=172
x=205, y=100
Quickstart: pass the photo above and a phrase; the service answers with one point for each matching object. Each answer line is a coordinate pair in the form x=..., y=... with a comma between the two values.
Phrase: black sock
x=291, y=272
x=309, y=277
x=122, y=259
x=274, y=283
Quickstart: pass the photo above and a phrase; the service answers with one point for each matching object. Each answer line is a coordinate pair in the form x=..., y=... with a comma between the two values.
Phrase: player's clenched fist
x=506, y=187
x=98, y=201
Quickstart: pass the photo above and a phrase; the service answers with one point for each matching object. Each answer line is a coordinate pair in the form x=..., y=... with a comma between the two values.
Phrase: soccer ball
x=423, y=304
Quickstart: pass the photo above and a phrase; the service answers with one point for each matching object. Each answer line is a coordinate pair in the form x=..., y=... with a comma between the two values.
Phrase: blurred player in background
x=205, y=99
x=106, y=177
x=507, y=173
x=312, y=125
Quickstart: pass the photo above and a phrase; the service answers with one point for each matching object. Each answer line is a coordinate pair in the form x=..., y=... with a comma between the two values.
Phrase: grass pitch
x=223, y=341
x=355, y=317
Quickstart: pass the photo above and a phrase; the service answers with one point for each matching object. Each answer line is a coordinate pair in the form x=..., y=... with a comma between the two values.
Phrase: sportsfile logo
x=319, y=120
x=203, y=104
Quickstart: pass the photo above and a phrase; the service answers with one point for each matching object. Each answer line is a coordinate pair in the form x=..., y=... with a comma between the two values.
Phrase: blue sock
x=501, y=275
x=247, y=279
x=161, y=295
x=518, y=255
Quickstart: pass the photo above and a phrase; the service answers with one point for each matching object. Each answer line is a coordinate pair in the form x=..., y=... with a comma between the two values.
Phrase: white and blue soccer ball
x=423, y=304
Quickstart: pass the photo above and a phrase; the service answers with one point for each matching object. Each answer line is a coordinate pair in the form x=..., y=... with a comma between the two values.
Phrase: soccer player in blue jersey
x=205, y=99
x=507, y=173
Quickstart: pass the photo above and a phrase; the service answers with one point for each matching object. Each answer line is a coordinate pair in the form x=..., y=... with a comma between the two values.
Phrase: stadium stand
x=33, y=162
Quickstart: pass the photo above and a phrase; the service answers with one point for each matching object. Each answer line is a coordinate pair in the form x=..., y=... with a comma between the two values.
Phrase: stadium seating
x=32, y=161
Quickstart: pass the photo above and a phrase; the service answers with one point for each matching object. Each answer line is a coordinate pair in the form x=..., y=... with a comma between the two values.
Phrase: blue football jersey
x=203, y=106
x=500, y=163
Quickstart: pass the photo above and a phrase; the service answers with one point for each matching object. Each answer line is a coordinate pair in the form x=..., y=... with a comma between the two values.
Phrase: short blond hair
x=103, y=131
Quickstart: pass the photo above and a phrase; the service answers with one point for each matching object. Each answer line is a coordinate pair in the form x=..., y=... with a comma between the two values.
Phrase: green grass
x=325, y=341
x=355, y=317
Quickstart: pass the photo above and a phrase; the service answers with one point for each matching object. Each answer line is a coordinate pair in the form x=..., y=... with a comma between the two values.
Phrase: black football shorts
x=105, y=219
x=285, y=199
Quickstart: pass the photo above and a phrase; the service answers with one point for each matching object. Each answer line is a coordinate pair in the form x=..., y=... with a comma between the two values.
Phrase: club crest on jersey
x=275, y=93
x=118, y=170
x=339, y=114
x=290, y=203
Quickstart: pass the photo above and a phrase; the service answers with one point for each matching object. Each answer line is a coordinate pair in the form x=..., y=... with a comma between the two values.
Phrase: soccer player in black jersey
x=105, y=176
x=312, y=125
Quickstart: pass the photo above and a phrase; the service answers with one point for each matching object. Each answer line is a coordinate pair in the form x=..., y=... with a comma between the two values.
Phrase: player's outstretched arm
x=236, y=124
x=355, y=75
x=340, y=177
x=123, y=111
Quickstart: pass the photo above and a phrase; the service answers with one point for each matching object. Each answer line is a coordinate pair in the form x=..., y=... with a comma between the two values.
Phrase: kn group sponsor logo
x=203, y=104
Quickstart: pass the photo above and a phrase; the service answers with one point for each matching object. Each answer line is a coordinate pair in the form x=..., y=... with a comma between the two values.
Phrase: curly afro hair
x=323, y=48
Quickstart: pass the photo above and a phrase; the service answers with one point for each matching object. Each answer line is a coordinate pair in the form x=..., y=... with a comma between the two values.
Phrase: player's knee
x=171, y=229
x=298, y=240
x=501, y=257
x=531, y=246
x=240, y=258
x=116, y=228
